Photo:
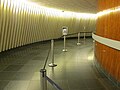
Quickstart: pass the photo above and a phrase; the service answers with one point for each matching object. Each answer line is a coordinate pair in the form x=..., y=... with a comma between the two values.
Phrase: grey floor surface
x=19, y=68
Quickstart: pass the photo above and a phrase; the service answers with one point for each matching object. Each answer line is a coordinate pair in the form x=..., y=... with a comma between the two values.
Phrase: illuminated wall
x=108, y=26
x=23, y=22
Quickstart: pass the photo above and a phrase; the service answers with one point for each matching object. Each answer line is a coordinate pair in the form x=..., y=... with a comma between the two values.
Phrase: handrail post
x=52, y=54
x=78, y=43
x=43, y=81
x=64, y=49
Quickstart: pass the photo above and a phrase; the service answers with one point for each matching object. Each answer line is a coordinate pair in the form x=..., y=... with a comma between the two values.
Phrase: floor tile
x=13, y=68
x=7, y=75
x=3, y=84
x=17, y=85
x=20, y=67
x=23, y=76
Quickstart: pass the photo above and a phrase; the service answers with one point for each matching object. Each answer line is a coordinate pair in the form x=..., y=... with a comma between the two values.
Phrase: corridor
x=20, y=67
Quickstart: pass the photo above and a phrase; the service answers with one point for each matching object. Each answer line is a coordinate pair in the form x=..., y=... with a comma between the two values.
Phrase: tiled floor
x=19, y=68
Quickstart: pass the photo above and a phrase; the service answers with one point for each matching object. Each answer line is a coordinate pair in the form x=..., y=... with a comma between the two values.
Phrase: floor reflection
x=20, y=67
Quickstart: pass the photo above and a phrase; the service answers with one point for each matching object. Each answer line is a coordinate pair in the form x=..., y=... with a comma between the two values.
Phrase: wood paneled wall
x=22, y=24
x=107, y=4
x=108, y=26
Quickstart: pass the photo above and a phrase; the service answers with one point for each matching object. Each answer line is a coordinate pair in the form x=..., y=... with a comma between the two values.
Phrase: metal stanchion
x=52, y=54
x=84, y=36
x=64, y=49
x=43, y=81
x=78, y=43
x=84, y=32
x=43, y=76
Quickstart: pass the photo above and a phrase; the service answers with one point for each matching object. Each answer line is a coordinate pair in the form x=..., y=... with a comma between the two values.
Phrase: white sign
x=65, y=30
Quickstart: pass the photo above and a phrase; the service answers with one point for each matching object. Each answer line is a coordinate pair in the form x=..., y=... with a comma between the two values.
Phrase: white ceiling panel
x=85, y=6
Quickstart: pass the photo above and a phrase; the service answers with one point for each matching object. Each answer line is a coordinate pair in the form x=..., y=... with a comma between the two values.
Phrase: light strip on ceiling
x=31, y=8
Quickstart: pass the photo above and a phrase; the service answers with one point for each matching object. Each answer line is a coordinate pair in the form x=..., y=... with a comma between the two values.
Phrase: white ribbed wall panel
x=22, y=24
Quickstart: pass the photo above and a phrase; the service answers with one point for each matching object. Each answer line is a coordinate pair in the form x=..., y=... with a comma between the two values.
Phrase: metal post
x=84, y=32
x=78, y=43
x=64, y=49
x=43, y=81
x=52, y=54
x=84, y=36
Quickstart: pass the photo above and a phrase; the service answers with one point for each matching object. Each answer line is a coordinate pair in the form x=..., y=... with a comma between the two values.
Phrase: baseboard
x=102, y=70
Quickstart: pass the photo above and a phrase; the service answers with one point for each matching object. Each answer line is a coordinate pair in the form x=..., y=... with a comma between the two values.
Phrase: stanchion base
x=78, y=44
x=52, y=65
x=43, y=72
x=64, y=50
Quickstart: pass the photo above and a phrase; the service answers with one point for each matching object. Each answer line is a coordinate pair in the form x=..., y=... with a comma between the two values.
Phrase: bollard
x=64, y=49
x=78, y=43
x=52, y=54
x=43, y=81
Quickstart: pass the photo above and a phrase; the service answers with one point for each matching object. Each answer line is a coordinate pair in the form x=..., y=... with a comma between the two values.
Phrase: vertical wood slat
x=1, y=23
x=20, y=29
x=4, y=25
x=9, y=28
x=14, y=26
x=22, y=25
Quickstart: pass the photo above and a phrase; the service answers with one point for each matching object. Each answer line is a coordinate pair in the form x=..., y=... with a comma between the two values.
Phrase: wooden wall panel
x=108, y=26
x=107, y=4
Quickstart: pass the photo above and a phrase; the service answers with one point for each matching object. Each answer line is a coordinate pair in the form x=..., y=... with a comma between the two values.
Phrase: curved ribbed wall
x=23, y=22
x=108, y=26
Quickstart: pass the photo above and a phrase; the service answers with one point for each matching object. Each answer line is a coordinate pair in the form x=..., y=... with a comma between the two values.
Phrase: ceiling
x=84, y=6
